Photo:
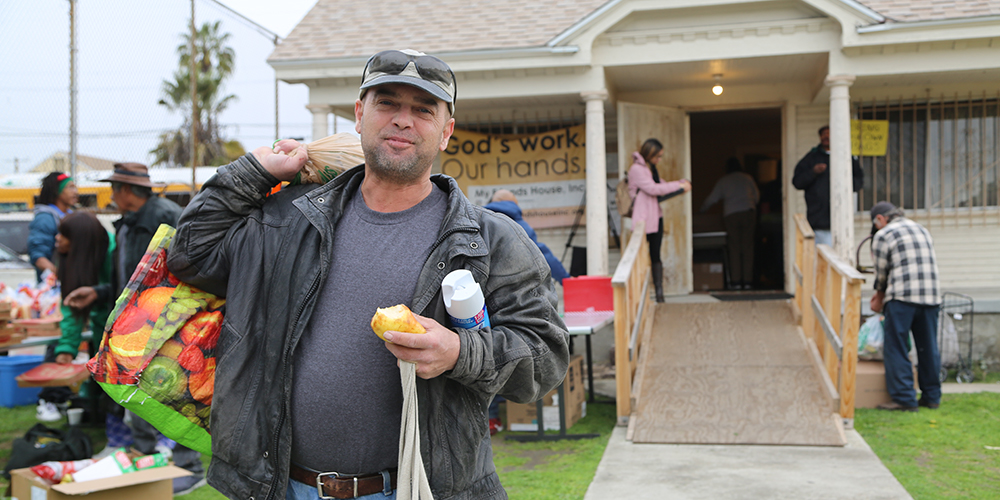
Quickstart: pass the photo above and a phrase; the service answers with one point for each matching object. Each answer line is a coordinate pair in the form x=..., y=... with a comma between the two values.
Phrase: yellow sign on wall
x=546, y=171
x=869, y=137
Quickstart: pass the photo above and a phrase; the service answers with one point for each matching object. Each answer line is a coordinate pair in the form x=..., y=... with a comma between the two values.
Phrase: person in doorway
x=812, y=176
x=739, y=195
x=907, y=293
x=57, y=198
x=645, y=190
x=142, y=213
x=304, y=270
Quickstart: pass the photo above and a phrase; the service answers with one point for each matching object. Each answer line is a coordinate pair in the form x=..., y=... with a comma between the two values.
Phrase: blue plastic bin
x=10, y=367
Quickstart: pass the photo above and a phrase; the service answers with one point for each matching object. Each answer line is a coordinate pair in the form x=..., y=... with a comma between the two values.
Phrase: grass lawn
x=555, y=469
x=951, y=452
x=529, y=471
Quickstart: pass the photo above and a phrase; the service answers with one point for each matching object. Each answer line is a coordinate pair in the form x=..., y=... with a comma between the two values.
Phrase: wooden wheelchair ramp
x=730, y=373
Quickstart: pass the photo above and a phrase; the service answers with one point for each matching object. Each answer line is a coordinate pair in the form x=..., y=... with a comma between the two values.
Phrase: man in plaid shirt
x=908, y=295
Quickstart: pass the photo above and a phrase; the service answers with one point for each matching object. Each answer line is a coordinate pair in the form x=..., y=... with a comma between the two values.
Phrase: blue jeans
x=301, y=491
x=901, y=318
x=823, y=237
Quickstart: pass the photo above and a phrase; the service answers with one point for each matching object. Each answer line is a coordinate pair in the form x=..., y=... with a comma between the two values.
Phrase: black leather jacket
x=817, y=186
x=269, y=260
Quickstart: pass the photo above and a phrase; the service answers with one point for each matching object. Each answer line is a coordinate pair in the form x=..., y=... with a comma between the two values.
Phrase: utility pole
x=194, y=109
x=72, y=88
x=276, y=134
x=17, y=163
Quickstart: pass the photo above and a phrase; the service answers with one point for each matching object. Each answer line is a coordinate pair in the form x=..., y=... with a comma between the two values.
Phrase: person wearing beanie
x=56, y=199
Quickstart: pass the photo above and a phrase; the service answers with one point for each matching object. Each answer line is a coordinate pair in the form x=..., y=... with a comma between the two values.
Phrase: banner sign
x=869, y=137
x=546, y=172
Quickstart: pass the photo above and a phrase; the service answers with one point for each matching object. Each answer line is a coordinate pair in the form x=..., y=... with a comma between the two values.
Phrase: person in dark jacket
x=811, y=175
x=505, y=202
x=142, y=213
x=307, y=398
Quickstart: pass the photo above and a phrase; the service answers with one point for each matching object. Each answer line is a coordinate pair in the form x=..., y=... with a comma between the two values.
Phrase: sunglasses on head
x=393, y=62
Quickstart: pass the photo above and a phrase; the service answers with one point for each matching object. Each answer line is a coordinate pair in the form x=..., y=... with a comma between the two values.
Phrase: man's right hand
x=877, y=302
x=284, y=160
x=81, y=297
x=819, y=168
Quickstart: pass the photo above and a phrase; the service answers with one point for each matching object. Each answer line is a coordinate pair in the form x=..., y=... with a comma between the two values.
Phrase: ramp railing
x=828, y=303
x=630, y=283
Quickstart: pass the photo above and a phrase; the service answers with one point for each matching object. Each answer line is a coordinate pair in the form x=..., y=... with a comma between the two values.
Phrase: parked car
x=14, y=231
x=14, y=269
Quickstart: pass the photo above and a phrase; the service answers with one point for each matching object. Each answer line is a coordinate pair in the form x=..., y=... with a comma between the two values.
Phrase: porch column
x=597, y=191
x=841, y=171
x=321, y=119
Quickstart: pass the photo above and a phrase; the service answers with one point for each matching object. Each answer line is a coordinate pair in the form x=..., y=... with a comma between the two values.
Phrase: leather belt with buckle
x=336, y=485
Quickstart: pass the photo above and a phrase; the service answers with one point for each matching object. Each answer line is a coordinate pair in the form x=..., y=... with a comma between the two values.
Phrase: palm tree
x=215, y=62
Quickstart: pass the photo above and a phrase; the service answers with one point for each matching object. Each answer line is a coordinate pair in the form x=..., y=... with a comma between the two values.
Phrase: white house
x=632, y=69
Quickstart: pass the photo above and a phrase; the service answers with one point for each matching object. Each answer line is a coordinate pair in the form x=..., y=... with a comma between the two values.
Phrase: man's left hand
x=434, y=352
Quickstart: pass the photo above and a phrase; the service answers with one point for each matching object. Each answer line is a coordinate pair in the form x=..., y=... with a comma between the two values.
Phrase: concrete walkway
x=714, y=472
x=717, y=472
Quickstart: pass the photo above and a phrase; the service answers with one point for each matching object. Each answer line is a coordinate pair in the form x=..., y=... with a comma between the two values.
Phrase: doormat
x=765, y=295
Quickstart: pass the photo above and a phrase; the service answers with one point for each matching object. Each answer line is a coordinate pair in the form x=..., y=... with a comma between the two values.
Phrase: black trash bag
x=43, y=444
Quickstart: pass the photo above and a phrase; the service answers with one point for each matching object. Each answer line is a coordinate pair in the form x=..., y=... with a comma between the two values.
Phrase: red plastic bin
x=588, y=293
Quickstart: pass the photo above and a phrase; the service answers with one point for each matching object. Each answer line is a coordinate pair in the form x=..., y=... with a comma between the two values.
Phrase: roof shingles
x=933, y=10
x=336, y=29
x=351, y=28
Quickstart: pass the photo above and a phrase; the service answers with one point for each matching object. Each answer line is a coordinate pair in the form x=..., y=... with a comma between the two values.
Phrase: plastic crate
x=588, y=293
x=10, y=367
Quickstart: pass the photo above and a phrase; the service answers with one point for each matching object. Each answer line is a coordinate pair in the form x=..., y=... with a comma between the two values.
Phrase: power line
x=264, y=31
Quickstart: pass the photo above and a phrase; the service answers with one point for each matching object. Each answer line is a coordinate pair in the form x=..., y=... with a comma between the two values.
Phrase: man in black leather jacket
x=303, y=388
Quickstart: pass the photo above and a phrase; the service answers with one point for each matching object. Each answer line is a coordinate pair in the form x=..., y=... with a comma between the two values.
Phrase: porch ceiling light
x=717, y=89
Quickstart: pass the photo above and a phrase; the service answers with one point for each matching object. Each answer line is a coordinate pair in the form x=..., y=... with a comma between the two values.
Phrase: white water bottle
x=464, y=301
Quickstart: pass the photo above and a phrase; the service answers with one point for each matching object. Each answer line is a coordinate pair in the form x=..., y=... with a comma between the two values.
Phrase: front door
x=636, y=123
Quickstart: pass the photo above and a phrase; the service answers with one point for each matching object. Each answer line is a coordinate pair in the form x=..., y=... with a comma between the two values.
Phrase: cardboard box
x=708, y=276
x=54, y=375
x=10, y=336
x=149, y=484
x=869, y=384
x=39, y=327
x=524, y=417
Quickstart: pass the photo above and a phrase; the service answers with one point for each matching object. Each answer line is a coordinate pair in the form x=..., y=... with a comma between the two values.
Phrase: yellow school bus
x=19, y=191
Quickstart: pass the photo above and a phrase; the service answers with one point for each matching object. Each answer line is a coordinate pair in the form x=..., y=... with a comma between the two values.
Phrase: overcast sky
x=126, y=49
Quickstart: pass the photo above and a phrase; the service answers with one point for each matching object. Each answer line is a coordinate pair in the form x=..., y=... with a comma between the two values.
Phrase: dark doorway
x=752, y=136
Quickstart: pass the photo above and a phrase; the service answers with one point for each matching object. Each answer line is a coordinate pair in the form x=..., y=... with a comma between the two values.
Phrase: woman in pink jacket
x=647, y=190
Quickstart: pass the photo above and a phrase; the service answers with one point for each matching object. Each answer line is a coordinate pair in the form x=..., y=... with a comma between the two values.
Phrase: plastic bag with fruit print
x=157, y=357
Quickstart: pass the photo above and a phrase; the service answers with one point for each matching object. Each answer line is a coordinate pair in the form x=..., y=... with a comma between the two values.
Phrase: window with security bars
x=941, y=154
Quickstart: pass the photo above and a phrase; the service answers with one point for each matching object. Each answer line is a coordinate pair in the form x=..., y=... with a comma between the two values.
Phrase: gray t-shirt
x=346, y=394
